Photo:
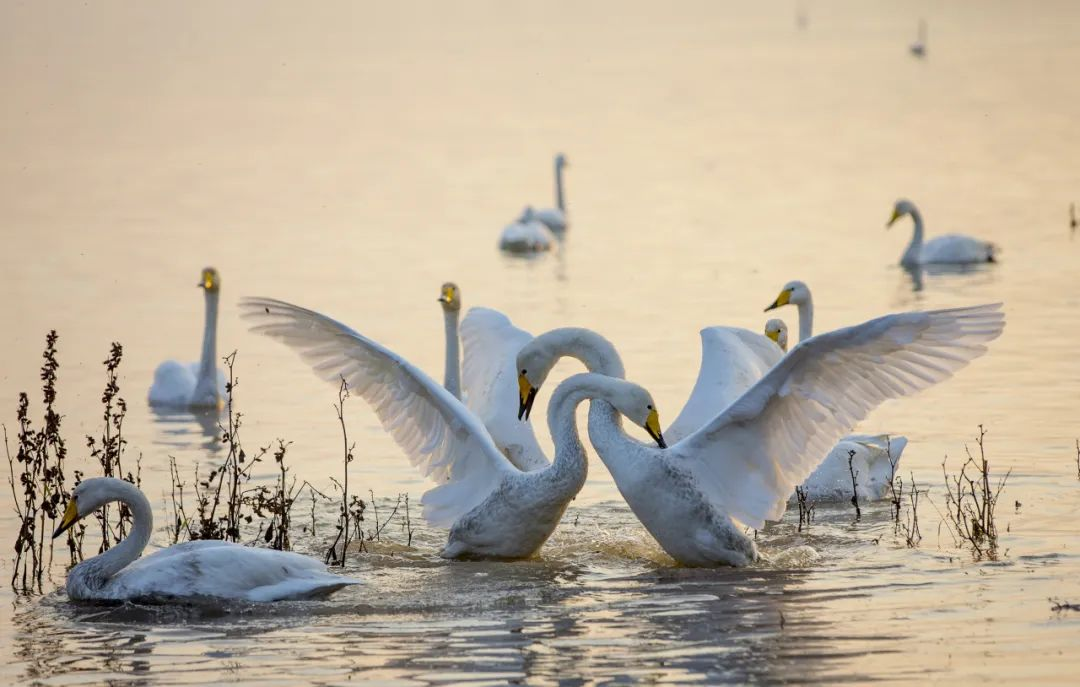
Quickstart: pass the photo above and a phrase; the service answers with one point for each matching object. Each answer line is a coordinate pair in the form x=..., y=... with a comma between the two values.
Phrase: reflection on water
x=351, y=158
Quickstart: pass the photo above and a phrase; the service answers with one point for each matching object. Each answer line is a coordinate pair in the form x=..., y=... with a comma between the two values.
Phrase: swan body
x=527, y=235
x=194, y=385
x=876, y=456
x=184, y=572
x=950, y=249
x=738, y=470
x=493, y=509
x=555, y=218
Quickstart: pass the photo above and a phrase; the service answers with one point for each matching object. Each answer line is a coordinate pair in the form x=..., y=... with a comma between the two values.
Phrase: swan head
x=793, y=293
x=902, y=208
x=777, y=331
x=211, y=280
x=527, y=215
x=450, y=297
x=637, y=405
x=534, y=363
x=561, y=161
x=87, y=497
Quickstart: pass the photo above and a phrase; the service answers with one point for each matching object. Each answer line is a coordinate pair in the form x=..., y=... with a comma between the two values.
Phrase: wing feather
x=437, y=433
x=749, y=458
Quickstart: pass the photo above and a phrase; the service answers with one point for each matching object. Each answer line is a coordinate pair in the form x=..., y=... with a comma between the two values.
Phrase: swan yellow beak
x=783, y=299
x=652, y=426
x=774, y=335
x=447, y=295
x=71, y=516
x=895, y=216
x=526, y=396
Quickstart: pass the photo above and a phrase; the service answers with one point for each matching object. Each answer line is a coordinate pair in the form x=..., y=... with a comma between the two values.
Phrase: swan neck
x=594, y=351
x=559, y=200
x=452, y=379
x=123, y=554
x=570, y=463
x=914, y=249
x=208, y=360
x=806, y=318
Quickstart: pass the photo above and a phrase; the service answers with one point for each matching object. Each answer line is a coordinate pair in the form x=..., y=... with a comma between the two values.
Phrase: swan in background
x=194, y=385
x=777, y=331
x=527, y=235
x=918, y=48
x=493, y=509
x=555, y=218
x=876, y=456
x=450, y=297
x=954, y=249
x=737, y=471
x=1072, y=219
x=183, y=572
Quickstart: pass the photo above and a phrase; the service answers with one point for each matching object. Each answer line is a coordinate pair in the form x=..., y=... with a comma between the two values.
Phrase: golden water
x=353, y=156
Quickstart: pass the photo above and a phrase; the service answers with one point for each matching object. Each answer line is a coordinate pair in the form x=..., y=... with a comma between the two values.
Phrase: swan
x=918, y=48
x=527, y=235
x=183, y=572
x=555, y=218
x=777, y=331
x=493, y=509
x=876, y=456
x=737, y=471
x=194, y=385
x=948, y=249
x=450, y=298
x=1072, y=218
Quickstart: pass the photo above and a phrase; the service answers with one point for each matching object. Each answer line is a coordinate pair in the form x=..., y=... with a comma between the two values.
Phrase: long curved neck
x=208, y=361
x=914, y=249
x=806, y=318
x=594, y=351
x=570, y=461
x=559, y=199
x=452, y=378
x=120, y=556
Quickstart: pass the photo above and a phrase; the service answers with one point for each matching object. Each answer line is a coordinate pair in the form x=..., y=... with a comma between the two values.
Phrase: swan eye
x=648, y=407
x=523, y=372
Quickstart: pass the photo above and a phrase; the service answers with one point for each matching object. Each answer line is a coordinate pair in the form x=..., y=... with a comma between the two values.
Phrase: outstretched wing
x=732, y=360
x=489, y=380
x=748, y=459
x=438, y=434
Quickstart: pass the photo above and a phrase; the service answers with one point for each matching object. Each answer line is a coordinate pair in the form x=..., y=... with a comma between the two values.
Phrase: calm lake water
x=351, y=157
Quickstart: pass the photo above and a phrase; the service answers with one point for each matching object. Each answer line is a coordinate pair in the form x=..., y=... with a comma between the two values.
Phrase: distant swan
x=555, y=218
x=493, y=509
x=737, y=471
x=918, y=48
x=527, y=235
x=194, y=385
x=183, y=572
x=952, y=249
x=876, y=458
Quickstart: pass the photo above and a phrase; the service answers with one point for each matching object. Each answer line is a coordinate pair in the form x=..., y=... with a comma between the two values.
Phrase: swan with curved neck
x=201, y=384
x=948, y=249
x=493, y=508
x=527, y=234
x=555, y=218
x=798, y=294
x=737, y=471
x=192, y=570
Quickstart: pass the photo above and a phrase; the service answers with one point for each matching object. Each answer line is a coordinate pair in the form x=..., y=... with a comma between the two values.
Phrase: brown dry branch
x=970, y=501
x=854, y=484
x=351, y=511
x=806, y=508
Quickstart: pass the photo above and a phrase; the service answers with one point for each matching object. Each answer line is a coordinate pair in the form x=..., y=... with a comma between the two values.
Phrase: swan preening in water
x=493, y=508
x=527, y=234
x=954, y=249
x=194, y=385
x=737, y=470
x=876, y=457
x=189, y=571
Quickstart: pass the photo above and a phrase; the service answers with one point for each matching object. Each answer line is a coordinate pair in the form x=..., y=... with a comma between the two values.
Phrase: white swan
x=918, y=48
x=450, y=297
x=876, y=456
x=738, y=470
x=527, y=235
x=954, y=249
x=492, y=508
x=188, y=571
x=555, y=218
x=194, y=385
x=777, y=331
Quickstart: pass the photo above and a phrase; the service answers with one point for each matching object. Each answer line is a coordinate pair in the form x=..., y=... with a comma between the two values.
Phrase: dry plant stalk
x=970, y=501
x=806, y=508
x=350, y=512
x=854, y=484
x=910, y=526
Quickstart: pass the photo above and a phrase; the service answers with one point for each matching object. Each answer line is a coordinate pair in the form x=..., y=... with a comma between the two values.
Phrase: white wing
x=489, y=379
x=749, y=458
x=438, y=434
x=732, y=360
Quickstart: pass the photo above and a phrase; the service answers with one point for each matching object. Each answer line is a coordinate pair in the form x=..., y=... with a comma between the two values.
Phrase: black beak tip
x=660, y=441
